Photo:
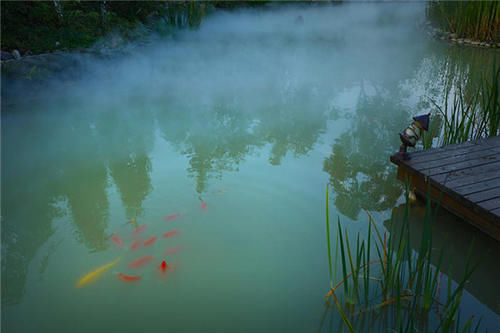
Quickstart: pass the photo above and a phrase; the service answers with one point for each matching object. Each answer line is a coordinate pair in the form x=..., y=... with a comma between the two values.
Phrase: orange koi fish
x=171, y=217
x=140, y=228
x=170, y=233
x=134, y=245
x=203, y=206
x=128, y=278
x=172, y=250
x=141, y=262
x=117, y=241
x=150, y=241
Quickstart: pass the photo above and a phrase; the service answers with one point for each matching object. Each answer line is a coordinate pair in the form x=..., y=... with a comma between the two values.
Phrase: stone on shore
x=16, y=54
x=6, y=56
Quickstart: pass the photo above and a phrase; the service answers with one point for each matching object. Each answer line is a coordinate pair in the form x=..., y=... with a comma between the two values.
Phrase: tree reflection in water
x=359, y=167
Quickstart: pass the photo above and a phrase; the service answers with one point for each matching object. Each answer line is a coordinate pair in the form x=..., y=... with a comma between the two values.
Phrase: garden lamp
x=411, y=134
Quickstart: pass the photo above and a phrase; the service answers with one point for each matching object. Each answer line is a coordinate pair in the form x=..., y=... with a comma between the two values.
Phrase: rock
x=467, y=41
x=27, y=53
x=57, y=44
x=6, y=55
x=453, y=40
x=16, y=54
x=487, y=45
x=453, y=36
x=460, y=41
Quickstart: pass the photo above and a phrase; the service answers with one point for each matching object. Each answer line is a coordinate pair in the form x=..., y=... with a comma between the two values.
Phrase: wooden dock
x=467, y=175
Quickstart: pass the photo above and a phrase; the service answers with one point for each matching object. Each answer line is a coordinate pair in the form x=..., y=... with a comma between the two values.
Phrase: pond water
x=237, y=127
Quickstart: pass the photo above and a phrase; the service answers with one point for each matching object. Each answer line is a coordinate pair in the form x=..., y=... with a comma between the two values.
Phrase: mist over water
x=253, y=114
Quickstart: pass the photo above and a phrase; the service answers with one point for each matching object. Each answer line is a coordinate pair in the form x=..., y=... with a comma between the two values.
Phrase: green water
x=252, y=114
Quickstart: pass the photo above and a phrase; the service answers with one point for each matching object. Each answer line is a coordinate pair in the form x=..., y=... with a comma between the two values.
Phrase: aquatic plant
x=479, y=20
x=470, y=113
x=389, y=287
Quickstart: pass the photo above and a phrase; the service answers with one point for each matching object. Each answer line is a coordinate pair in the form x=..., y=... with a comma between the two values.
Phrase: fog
x=258, y=57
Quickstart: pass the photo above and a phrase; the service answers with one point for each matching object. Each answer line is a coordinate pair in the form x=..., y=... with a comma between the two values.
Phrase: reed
x=478, y=20
x=396, y=289
x=468, y=114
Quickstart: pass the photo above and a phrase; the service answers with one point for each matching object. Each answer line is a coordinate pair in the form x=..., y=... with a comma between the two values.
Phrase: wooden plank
x=484, y=195
x=492, y=204
x=468, y=176
x=462, y=165
x=445, y=148
x=445, y=153
x=490, y=141
x=479, y=217
x=479, y=186
x=453, y=159
x=465, y=176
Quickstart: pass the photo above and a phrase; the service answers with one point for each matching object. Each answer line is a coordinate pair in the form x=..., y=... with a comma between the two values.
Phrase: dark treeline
x=42, y=26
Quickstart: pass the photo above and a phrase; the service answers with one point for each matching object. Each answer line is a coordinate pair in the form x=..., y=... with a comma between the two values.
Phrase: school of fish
x=140, y=262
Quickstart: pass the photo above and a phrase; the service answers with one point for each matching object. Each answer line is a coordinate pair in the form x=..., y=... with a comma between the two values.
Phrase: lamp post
x=411, y=134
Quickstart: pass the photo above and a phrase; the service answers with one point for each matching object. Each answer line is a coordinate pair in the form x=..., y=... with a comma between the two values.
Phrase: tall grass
x=479, y=20
x=394, y=288
x=468, y=114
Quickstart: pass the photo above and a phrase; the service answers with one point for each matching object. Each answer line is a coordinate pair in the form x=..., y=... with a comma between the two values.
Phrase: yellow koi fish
x=90, y=277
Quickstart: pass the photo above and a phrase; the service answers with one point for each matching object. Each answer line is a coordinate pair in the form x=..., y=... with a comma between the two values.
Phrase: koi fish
x=220, y=192
x=128, y=278
x=117, y=241
x=203, y=206
x=164, y=267
x=171, y=217
x=140, y=228
x=132, y=221
x=172, y=250
x=134, y=245
x=92, y=276
x=170, y=233
x=141, y=262
x=150, y=241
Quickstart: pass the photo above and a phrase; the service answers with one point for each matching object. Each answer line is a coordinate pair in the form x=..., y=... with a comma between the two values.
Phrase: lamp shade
x=423, y=120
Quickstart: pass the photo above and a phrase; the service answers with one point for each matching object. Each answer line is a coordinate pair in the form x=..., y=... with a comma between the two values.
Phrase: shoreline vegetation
x=383, y=284
x=476, y=23
x=468, y=110
x=38, y=36
x=41, y=27
x=32, y=28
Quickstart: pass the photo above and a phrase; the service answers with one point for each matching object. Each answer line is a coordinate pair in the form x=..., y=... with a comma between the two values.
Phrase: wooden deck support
x=466, y=176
